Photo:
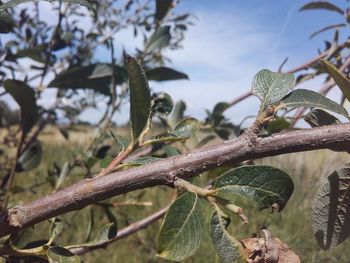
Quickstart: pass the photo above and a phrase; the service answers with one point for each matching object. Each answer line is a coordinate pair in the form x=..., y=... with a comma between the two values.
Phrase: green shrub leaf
x=25, y=97
x=97, y=77
x=55, y=229
x=277, y=125
x=140, y=97
x=164, y=74
x=61, y=255
x=317, y=118
x=309, y=98
x=13, y=3
x=162, y=8
x=266, y=185
x=6, y=23
x=30, y=158
x=186, y=128
x=322, y=5
x=106, y=233
x=160, y=39
x=177, y=114
x=271, y=87
x=331, y=209
x=227, y=247
x=182, y=230
x=162, y=105
x=342, y=81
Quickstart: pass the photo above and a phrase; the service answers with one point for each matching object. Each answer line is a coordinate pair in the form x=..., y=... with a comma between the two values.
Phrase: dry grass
x=293, y=224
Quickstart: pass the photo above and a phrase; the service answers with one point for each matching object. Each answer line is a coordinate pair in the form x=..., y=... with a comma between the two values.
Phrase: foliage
x=62, y=58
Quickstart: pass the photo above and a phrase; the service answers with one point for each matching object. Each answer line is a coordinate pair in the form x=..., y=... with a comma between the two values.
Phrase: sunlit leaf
x=331, y=209
x=309, y=98
x=322, y=5
x=227, y=247
x=186, y=128
x=342, y=81
x=164, y=74
x=271, y=87
x=317, y=118
x=140, y=97
x=61, y=255
x=25, y=97
x=266, y=185
x=182, y=230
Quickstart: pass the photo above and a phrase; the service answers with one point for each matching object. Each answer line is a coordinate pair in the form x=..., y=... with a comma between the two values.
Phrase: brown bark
x=166, y=171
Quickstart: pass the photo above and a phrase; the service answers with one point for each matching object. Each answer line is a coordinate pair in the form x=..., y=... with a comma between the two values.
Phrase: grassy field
x=292, y=225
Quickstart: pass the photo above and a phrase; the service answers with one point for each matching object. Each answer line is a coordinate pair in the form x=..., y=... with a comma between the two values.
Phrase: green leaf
x=160, y=39
x=63, y=175
x=162, y=105
x=322, y=5
x=55, y=229
x=277, y=125
x=271, y=87
x=177, y=114
x=342, y=81
x=164, y=74
x=37, y=53
x=25, y=97
x=106, y=161
x=6, y=23
x=308, y=98
x=266, y=185
x=336, y=26
x=317, y=118
x=20, y=239
x=140, y=97
x=142, y=161
x=227, y=247
x=97, y=77
x=13, y=3
x=217, y=116
x=106, y=233
x=162, y=8
x=61, y=255
x=186, y=128
x=331, y=209
x=182, y=230
x=121, y=141
x=30, y=158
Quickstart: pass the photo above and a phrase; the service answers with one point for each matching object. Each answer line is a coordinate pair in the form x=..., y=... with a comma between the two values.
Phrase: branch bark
x=165, y=172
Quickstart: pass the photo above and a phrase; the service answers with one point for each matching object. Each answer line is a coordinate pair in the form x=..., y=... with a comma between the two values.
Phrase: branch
x=126, y=231
x=164, y=172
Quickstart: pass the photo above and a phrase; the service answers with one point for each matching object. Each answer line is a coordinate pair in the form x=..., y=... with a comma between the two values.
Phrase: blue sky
x=230, y=41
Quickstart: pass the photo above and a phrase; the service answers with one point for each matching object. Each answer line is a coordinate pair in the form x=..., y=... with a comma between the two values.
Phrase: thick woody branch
x=166, y=171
